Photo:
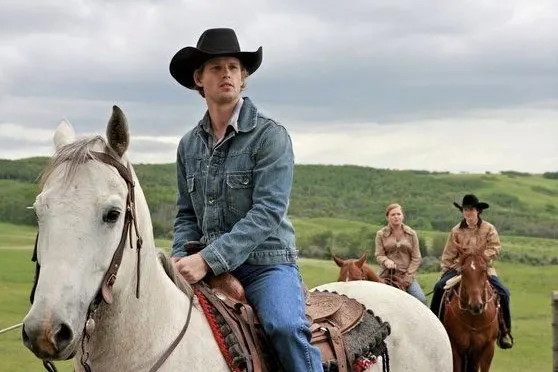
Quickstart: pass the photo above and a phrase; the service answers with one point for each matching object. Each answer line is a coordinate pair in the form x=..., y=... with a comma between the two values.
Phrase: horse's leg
x=485, y=357
x=457, y=361
x=471, y=363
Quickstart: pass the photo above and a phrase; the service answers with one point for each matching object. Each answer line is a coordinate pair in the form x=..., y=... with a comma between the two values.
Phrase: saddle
x=346, y=333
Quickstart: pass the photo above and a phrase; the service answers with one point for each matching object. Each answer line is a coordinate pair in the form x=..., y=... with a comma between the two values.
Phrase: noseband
x=105, y=291
x=489, y=294
x=487, y=297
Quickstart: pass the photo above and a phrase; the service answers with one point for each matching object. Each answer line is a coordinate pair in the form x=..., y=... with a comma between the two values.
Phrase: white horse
x=82, y=218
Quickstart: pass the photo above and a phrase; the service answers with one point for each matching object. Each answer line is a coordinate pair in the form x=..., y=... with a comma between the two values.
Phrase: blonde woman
x=398, y=253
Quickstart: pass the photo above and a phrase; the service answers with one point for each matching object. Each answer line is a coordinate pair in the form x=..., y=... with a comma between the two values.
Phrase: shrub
x=423, y=247
x=438, y=244
x=429, y=265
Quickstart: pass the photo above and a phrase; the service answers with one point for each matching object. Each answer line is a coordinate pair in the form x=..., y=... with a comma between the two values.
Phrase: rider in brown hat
x=234, y=173
x=471, y=234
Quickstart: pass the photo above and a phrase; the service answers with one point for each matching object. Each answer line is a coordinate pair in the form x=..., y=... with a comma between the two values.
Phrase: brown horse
x=356, y=269
x=471, y=316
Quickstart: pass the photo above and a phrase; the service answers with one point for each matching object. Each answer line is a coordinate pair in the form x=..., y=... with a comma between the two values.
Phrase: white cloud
x=472, y=64
x=522, y=139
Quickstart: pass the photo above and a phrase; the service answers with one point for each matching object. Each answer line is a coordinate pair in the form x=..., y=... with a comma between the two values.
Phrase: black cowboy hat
x=212, y=43
x=471, y=200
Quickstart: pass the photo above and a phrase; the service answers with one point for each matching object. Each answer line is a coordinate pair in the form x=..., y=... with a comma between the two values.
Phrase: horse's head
x=90, y=204
x=351, y=269
x=474, y=288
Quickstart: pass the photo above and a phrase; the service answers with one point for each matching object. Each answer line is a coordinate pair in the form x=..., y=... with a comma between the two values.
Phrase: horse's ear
x=64, y=134
x=117, y=131
x=362, y=260
x=337, y=260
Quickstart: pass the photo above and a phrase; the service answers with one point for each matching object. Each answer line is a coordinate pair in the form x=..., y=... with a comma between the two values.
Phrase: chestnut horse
x=471, y=316
x=356, y=269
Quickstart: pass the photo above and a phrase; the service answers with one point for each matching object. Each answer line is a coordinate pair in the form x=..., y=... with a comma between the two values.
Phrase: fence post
x=555, y=330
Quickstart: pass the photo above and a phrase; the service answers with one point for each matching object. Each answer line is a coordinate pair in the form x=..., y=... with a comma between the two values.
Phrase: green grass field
x=531, y=289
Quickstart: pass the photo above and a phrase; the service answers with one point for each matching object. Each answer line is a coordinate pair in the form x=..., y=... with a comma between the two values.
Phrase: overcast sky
x=438, y=85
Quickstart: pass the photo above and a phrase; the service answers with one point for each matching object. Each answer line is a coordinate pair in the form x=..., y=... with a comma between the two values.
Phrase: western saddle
x=330, y=314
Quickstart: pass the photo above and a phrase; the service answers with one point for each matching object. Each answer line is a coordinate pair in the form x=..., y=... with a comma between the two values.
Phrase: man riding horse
x=470, y=235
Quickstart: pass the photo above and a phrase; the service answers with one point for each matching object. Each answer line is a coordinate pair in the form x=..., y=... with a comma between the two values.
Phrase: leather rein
x=105, y=292
x=489, y=297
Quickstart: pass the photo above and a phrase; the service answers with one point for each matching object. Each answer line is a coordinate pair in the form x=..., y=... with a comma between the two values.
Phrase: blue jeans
x=504, y=293
x=436, y=303
x=416, y=291
x=276, y=294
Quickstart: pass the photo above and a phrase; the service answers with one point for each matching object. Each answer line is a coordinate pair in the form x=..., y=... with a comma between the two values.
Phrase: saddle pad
x=321, y=305
x=452, y=282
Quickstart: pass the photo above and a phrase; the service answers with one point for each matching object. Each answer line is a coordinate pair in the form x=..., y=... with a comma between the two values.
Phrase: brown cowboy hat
x=212, y=43
x=471, y=200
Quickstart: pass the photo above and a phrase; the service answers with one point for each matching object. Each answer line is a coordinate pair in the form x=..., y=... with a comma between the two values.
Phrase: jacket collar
x=247, y=118
x=388, y=231
x=463, y=224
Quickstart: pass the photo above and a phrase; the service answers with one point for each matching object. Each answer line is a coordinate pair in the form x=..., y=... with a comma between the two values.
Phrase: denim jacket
x=235, y=197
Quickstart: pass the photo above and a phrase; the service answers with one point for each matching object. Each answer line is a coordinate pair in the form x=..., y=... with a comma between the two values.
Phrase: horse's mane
x=74, y=154
x=173, y=275
x=370, y=273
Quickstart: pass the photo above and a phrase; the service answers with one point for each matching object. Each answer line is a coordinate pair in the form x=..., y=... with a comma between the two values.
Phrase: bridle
x=349, y=273
x=391, y=278
x=489, y=294
x=105, y=292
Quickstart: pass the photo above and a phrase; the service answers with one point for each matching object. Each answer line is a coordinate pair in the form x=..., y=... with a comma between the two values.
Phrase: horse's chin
x=68, y=353
x=476, y=312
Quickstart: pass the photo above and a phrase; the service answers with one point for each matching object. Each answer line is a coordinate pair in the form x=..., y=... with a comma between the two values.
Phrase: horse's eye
x=111, y=216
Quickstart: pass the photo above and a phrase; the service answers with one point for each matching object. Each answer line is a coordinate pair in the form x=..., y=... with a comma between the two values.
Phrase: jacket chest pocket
x=195, y=191
x=239, y=189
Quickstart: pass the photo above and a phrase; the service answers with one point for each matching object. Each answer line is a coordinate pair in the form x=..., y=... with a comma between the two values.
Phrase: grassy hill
x=521, y=204
x=531, y=288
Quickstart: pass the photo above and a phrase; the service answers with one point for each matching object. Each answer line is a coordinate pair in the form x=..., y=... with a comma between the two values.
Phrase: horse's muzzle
x=476, y=309
x=48, y=341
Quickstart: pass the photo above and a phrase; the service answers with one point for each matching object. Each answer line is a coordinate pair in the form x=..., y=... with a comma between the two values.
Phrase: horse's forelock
x=73, y=154
x=479, y=256
x=350, y=271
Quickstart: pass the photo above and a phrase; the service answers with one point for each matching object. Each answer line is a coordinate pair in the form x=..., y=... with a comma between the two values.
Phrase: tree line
x=521, y=203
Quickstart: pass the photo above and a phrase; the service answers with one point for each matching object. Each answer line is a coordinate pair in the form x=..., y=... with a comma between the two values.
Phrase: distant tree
x=551, y=175
x=422, y=246
x=438, y=244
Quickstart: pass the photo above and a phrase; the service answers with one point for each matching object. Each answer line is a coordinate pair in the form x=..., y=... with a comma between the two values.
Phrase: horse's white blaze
x=473, y=266
x=75, y=249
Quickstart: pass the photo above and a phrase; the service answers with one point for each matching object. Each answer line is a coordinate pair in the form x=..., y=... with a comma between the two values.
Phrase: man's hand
x=389, y=264
x=192, y=268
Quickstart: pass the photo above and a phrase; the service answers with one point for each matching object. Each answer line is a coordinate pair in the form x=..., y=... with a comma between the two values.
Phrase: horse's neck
x=131, y=325
x=370, y=273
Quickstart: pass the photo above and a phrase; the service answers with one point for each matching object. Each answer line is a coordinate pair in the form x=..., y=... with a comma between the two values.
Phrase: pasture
x=531, y=289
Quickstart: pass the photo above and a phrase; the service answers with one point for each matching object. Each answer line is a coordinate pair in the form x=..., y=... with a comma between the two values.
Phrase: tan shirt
x=404, y=253
x=462, y=238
